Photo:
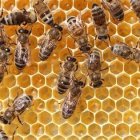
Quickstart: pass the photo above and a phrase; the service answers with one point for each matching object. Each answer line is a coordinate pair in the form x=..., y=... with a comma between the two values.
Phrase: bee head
x=3, y=120
x=102, y=37
x=81, y=83
x=97, y=84
x=7, y=50
x=21, y=30
x=94, y=5
x=31, y=97
x=70, y=58
x=58, y=27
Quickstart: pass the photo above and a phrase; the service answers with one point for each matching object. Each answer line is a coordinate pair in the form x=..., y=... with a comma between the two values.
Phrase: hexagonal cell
x=9, y=80
x=33, y=42
x=66, y=129
x=23, y=80
x=57, y=118
x=128, y=67
x=135, y=105
x=122, y=130
x=135, y=80
x=115, y=39
x=35, y=55
x=89, y=93
x=45, y=68
x=31, y=91
x=18, y=138
x=123, y=80
x=31, y=69
x=80, y=5
x=22, y=4
x=45, y=117
x=30, y=137
x=124, y=29
x=75, y=118
x=4, y=93
x=52, y=105
x=45, y=93
x=80, y=129
x=58, y=138
x=28, y=118
x=109, y=80
x=116, y=67
x=101, y=93
x=51, y=80
x=115, y=138
x=101, y=117
x=73, y=138
x=52, y=129
x=108, y=105
x=8, y=5
x=86, y=16
x=101, y=138
x=130, y=138
x=116, y=92
x=115, y=117
x=135, y=129
x=108, y=130
x=45, y=138
x=112, y=29
x=59, y=16
x=94, y=130
x=53, y=4
x=87, y=138
x=122, y=105
x=130, y=17
x=131, y=41
x=24, y=130
x=56, y=67
x=87, y=117
x=130, y=117
x=130, y=92
x=101, y=45
x=94, y=105
x=38, y=80
x=37, y=29
x=66, y=4
x=15, y=91
x=39, y=105
x=136, y=30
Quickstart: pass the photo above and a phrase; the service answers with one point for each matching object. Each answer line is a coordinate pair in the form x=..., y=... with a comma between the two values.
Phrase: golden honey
x=111, y=112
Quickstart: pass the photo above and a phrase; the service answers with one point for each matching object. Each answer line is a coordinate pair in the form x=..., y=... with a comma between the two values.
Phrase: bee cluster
x=76, y=28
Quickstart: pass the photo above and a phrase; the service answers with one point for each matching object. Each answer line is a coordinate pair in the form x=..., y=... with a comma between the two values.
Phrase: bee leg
x=13, y=136
x=96, y=37
x=1, y=13
x=76, y=67
x=104, y=69
x=19, y=120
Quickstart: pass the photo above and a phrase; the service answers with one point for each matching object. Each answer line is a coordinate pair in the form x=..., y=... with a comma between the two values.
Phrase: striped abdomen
x=98, y=15
x=15, y=18
x=117, y=11
x=46, y=49
x=136, y=7
x=21, y=58
x=63, y=83
x=3, y=136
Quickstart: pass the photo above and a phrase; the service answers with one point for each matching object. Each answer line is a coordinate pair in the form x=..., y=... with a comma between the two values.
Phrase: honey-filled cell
x=110, y=112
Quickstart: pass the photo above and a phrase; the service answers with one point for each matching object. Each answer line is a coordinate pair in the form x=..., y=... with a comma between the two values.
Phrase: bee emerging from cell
x=77, y=30
x=48, y=43
x=72, y=98
x=22, y=51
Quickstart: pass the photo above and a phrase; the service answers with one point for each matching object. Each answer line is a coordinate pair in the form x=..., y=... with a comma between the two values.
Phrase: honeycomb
x=111, y=112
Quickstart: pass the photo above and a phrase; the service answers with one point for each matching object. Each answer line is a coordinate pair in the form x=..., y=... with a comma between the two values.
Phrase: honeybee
x=48, y=43
x=123, y=50
x=19, y=17
x=72, y=98
x=77, y=30
x=115, y=9
x=99, y=21
x=20, y=104
x=69, y=66
x=136, y=7
x=4, y=56
x=22, y=51
x=94, y=69
x=3, y=135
